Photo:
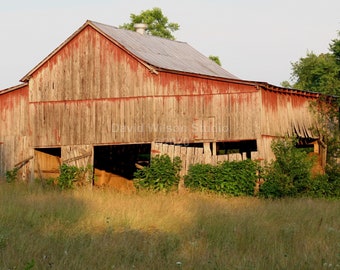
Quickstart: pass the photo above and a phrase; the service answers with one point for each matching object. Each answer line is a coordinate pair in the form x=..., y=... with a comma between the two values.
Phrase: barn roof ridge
x=159, y=52
x=164, y=53
x=118, y=28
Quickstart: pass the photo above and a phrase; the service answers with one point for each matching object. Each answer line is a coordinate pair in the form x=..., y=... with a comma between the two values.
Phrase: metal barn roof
x=164, y=53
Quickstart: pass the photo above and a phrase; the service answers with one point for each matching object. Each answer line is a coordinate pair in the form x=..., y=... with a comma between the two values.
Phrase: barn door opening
x=46, y=163
x=315, y=149
x=117, y=163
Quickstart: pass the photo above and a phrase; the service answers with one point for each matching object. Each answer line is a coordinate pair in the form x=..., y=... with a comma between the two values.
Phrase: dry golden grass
x=102, y=229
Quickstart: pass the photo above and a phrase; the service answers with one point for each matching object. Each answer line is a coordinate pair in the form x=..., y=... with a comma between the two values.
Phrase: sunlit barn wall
x=14, y=128
x=94, y=92
x=285, y=112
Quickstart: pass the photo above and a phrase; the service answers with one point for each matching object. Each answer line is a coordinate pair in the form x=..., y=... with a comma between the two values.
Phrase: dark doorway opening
x=246, y=146
x=121, y=159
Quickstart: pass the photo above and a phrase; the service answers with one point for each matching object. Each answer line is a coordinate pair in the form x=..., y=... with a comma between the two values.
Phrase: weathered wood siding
x=14, y=128
x=94, y=92
x=284, y=113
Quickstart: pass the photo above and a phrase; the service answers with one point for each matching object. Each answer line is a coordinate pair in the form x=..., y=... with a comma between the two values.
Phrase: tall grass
x=101, y=229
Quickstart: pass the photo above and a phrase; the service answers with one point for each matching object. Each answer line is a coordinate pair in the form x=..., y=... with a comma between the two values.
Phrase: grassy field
x=101, y=229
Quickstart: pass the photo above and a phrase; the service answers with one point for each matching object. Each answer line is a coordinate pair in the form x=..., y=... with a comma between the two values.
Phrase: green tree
x=216, y=59
x=334, y=47
x=321, y=73
x=318, y=73
x=286, y=84
x=158, y=24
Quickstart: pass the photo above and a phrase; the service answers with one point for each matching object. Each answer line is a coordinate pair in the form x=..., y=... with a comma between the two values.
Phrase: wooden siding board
x=135, y=121
x=286, y=114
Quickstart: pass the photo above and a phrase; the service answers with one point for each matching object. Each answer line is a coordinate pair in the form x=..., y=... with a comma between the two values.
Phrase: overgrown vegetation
x=12, y=175
x=70, y=175
x=321, y=73
x=289, y=175
x=328, y=129
x=161, y=175
x=96, y=229
x=236, y=178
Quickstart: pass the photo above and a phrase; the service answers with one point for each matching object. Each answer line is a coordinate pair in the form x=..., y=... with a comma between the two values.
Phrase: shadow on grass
x=46, y=229
x=42, y=229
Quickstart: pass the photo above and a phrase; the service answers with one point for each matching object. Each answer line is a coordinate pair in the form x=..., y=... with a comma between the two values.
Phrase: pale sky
x=254, y=39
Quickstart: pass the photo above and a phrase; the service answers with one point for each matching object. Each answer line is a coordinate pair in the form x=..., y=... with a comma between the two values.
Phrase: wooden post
x=214, y=148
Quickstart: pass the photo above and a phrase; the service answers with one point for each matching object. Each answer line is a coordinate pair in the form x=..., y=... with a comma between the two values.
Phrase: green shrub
x=69, y=175
x=333, y=173
x=12, y=175
x=320, y=187
x=161, y=175
x=324, y=185
x=289, y=175
x=234, y=178
x=201, y=177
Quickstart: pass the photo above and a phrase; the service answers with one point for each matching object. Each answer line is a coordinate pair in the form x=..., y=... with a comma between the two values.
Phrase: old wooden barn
x=110, y=97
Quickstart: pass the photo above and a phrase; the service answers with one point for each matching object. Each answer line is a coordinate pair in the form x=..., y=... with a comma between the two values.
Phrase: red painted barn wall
x=94, y=92
x=14, y=127
x=14, y=112
x=286, y=112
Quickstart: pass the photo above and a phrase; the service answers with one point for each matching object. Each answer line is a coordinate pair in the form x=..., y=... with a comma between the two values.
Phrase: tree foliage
x=161, y=175
x=318, y=73
x=216, y=59
x=158, y=23
x=289, y=175
x=321, y=73
x=235, y=178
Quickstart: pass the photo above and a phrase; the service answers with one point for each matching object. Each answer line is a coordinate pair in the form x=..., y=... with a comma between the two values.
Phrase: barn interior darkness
x=51, y=151
x=121, y=159
x=246, y=146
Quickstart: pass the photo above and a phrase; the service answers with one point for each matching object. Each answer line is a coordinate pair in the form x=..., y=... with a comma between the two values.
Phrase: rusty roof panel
x=164, y=53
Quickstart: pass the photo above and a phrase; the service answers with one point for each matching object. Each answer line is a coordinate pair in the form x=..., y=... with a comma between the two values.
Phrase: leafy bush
x=324, y=185
x=289, y=174
x=333, y=173
x=69, y=175
x=232, y=178
x=161, y=175
x=201, y=177
x=12, y=175
x=320, y=187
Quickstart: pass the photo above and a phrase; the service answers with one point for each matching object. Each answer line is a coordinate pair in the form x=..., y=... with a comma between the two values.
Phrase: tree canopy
x=216, y=59
x=318, y=73
x=158, y=24
x=321, y=73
